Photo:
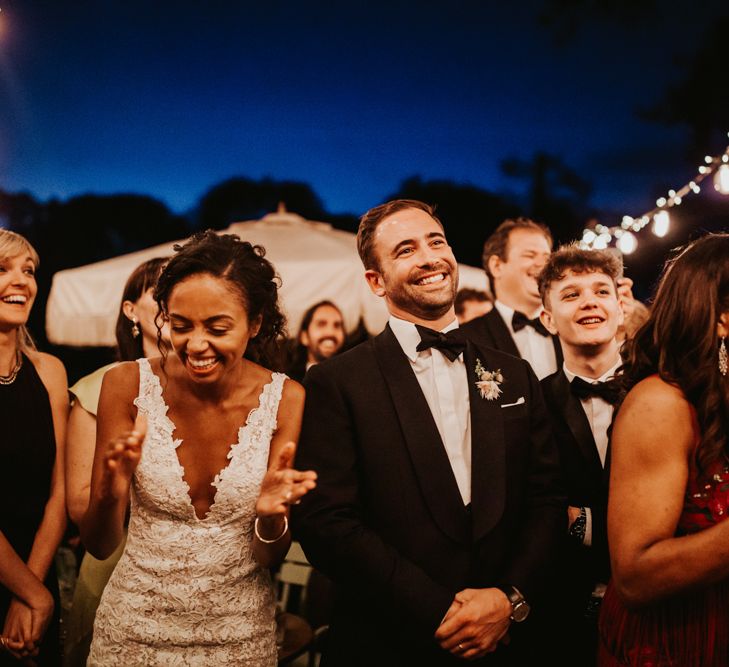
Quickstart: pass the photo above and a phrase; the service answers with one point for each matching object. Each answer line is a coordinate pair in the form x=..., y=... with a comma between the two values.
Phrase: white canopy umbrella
x=314, y=260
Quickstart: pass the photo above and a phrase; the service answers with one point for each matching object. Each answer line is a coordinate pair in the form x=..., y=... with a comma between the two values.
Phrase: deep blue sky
x=169, y=98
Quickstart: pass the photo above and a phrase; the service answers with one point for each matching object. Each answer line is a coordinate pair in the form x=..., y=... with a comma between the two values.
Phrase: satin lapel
x=430, y=461
x=503, y=339
x=574, y=415
x=488, y=455
x=558, y=351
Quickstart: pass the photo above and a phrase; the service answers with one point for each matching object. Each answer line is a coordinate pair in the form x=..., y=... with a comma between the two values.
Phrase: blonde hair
x=12, y=245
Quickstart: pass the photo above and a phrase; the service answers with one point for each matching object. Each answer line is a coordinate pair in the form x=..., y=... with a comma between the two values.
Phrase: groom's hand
x=475, y=622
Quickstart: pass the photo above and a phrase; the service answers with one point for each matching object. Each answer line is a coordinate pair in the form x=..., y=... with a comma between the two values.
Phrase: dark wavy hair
x=300, y=354
x=249, y=273
x=143, y=278
x=680, y=341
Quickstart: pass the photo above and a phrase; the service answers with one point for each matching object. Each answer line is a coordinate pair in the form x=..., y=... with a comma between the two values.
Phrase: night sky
x=170, y=98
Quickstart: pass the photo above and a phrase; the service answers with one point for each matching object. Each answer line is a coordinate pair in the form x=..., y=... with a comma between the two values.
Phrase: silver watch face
x=520, y=611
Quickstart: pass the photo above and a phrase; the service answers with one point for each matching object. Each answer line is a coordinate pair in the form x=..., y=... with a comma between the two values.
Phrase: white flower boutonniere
x=488, y=382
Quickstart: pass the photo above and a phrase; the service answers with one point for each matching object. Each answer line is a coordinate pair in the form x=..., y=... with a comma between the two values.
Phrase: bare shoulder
x=293, y=392
x=657, y=395
x=123, y=379
x=291, y=405
x=655, y=415
x=51, y=371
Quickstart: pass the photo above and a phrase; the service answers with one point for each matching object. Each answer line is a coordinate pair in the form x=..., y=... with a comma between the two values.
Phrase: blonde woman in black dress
x=33, y=411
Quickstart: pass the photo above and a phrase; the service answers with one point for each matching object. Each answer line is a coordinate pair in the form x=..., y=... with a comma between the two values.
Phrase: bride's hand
x=121, y=459
x=282, y=485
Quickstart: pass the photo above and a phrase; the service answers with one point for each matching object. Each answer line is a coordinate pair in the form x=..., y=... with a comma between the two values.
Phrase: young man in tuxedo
x=437, y=511
x=582, y=307
x=513, y=256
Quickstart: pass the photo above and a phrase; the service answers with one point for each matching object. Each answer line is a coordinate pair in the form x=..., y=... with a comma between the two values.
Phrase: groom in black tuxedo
x=437, y=511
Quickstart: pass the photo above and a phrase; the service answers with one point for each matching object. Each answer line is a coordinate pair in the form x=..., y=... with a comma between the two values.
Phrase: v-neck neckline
x=222, y=473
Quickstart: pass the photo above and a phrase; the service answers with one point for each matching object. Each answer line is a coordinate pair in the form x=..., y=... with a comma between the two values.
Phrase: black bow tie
x=608, y=391
x=520, y=320
x=450, y=344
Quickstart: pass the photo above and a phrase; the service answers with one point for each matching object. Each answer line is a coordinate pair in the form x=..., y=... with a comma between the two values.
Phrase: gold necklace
x=9, y=379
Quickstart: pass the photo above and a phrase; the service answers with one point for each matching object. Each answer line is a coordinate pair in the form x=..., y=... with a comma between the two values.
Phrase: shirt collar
x=604, y=377
x=507, y=313
x=408, y=337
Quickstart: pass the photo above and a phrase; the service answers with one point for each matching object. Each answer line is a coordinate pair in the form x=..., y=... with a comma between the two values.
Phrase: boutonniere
x=488, y=382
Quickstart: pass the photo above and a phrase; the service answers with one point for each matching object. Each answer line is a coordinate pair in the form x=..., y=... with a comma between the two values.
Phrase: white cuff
x=587, y=541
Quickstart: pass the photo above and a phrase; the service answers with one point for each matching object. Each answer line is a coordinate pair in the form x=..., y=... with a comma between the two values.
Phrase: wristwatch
x=519, y=606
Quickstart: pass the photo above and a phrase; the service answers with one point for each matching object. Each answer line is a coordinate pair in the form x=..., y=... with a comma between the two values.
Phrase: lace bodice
x=187, y=591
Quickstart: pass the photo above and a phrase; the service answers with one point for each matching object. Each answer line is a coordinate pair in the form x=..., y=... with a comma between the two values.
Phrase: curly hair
x=248, y=272
x=573, y=258
x=680, y=342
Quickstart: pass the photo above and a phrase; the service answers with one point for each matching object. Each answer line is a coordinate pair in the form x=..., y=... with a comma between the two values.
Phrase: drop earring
x=135, y=328
x=723, y=357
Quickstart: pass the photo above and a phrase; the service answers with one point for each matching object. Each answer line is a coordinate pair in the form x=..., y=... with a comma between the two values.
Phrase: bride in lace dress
x=208, y=518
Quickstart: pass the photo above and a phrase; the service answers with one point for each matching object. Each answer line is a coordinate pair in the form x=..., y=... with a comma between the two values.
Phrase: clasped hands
x=475, y=623
x=25, y=626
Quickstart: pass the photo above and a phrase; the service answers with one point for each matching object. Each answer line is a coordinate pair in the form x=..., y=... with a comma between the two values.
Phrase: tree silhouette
x=699, y=98
x=469, y=214
x=83, y=230
x=240, y=198
x=558, y=195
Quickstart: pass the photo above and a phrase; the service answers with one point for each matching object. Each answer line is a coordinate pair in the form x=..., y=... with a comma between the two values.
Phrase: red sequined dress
x=690, y=630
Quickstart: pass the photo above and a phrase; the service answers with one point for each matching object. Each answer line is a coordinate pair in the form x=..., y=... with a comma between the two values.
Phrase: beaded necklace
x=10, y=378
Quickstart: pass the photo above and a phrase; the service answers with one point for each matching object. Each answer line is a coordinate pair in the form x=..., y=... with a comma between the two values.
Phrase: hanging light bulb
x=627, y=243
x=661, y=223
x=602, y=241
x=721, y=179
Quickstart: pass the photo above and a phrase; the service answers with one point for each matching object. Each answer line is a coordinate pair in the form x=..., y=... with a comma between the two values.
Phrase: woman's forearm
x=271, y=554
x=48, y=537
x=102, y=527
x=16, y=576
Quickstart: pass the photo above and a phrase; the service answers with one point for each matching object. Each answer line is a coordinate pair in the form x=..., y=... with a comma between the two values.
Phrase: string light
x=721, y=179
x=627, y=243
x=661, y=223
x=624, y=234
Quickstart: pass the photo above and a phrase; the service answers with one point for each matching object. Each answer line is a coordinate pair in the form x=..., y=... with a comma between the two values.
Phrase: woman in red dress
x=668, y=601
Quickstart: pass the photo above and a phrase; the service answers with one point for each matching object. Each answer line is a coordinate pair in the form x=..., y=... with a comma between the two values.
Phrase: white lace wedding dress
x=187, y=591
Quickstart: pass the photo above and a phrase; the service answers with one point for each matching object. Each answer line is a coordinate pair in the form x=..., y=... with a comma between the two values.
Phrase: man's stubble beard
x=423, y=308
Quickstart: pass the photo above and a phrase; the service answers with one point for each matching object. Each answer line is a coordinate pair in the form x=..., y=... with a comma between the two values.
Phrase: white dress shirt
x=538, y=350
x=599, y=414
x=445, y=386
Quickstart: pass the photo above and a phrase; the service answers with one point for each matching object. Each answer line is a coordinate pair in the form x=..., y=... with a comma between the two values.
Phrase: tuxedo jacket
x=386, y=521
x=586, y=483
x=494, y=332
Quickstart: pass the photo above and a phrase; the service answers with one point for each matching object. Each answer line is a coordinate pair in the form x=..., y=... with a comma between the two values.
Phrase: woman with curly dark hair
x=208, y=518
x=668, y=602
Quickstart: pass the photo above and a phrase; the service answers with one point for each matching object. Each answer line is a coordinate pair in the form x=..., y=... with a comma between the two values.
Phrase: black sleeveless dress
x=27, y=455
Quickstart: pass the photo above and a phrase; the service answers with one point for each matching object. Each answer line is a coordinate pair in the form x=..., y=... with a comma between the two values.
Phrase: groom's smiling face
x=418, y=274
